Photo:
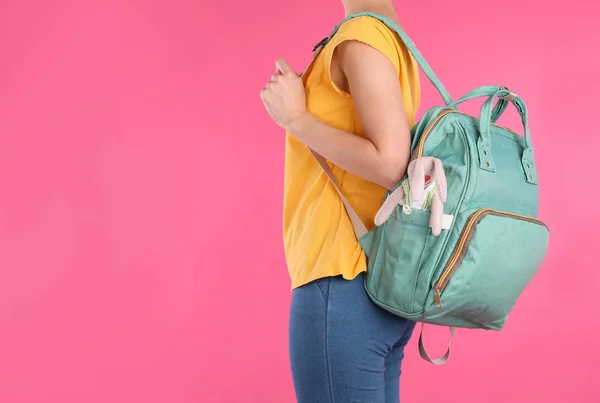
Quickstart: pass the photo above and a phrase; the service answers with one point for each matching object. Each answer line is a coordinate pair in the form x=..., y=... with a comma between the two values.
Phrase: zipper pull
x=437, y=297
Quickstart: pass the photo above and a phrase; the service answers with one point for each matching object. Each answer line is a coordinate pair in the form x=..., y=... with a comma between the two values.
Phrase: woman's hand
x=284, y=96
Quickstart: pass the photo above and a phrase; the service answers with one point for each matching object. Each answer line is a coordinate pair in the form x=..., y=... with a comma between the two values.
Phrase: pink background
x=141, y=188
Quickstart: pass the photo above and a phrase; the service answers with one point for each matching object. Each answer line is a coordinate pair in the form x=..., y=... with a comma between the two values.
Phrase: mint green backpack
x=470, y=272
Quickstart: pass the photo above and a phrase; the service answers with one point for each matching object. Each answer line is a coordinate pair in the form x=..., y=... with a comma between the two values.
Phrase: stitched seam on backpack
x=419, y=269
x=505, y=132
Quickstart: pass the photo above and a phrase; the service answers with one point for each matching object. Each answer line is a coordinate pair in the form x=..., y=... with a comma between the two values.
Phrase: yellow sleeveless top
x=319, y=240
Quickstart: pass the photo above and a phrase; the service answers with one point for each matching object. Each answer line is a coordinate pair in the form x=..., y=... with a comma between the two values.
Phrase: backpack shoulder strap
x=409, y=45
x=359, y=227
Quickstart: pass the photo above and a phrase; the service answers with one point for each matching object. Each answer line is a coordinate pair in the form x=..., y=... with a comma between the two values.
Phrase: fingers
x=268, y=92
x=271, y=86
x=283, y=67
x=265, y=95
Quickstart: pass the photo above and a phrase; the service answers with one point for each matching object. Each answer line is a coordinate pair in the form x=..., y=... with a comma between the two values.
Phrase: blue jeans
x=344, y=348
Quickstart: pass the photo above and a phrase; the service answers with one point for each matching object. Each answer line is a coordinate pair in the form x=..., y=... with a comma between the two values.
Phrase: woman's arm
x=372, y=80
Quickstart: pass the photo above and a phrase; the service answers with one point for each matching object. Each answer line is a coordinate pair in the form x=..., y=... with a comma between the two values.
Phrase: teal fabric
x=495, y=245
x=405, y=260
x=500, y=106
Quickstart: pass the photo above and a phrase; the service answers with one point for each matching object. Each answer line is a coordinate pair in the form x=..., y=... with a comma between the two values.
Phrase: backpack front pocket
x=496, y=256
x=394, y=258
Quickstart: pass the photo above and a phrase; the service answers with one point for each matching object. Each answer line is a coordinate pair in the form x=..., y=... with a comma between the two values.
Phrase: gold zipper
x=463, y=243
x=428, y=130
x=421, y=147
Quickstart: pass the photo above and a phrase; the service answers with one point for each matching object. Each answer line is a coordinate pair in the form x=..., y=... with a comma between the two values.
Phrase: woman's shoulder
x=372, y=32
x=366, y=27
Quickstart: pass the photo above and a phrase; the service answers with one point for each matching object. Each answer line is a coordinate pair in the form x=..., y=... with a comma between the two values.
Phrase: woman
x=355, y=106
